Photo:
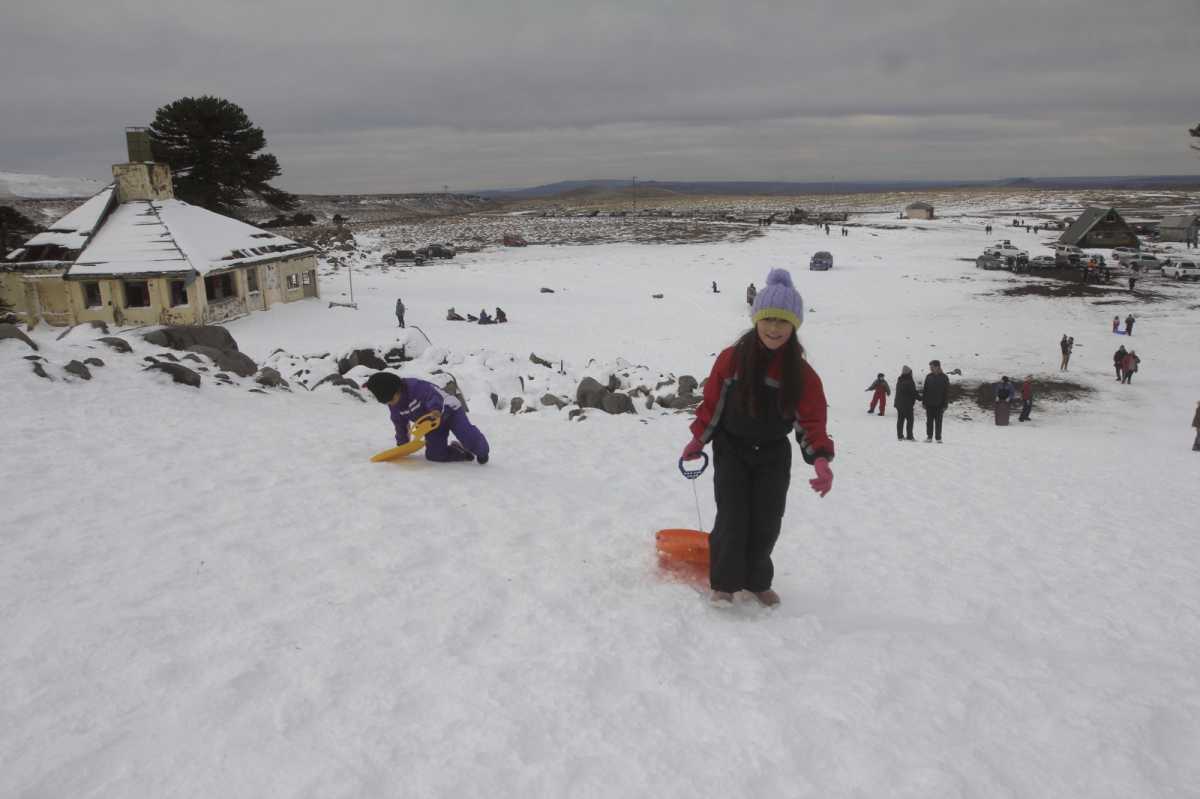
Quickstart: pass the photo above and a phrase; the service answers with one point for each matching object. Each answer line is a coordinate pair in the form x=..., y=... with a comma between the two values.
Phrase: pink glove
x=693, y=449
x=823, y=482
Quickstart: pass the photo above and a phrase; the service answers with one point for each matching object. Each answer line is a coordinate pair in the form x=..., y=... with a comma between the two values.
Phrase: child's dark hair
x=752, y=359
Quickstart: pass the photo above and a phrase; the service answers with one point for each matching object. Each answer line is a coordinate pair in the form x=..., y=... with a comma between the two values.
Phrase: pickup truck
x=1182, y=270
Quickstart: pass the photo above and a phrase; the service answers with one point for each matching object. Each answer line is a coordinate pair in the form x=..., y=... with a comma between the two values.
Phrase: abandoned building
x=918, y=210
x=1099, y=227
x=133, y=254
x=1181, y=227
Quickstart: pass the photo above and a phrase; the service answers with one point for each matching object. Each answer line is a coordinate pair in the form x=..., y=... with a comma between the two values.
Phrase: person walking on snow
x=400, y=311
x=760, y=389
x=935, y=396
x=1129, y=365
x=1004, y=393
x=1196, y=424
x=1026, y=398
x=1118, y=361
x=906, y=400
x=1065, y=345
x=1129, y=320
x=409, y=398
x=715, y=289
x=751, y=293
x=1116, y=324
x=882, y=392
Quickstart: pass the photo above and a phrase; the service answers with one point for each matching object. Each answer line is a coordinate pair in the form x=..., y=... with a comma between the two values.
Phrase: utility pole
x=633, y=184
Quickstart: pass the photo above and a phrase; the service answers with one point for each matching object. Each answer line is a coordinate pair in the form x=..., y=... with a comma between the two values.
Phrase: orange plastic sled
x=420, y=428
x=682, y=546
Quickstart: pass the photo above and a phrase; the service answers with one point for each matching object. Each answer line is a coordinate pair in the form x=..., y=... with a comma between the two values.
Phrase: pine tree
x=1196, y=133
x=213, y=148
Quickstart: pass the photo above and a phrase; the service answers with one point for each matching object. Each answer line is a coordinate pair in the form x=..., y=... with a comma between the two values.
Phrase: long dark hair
x=753, y=360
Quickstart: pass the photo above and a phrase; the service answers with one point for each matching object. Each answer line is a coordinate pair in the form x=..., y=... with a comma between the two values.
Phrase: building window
x=293, y=281
x=137, y=293
x=178, y=293
x=308, y=278
x=252, y=280
x=91, y=295
x=220, y=287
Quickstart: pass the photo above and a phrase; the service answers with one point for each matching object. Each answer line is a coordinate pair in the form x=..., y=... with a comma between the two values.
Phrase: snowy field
x=212, y=592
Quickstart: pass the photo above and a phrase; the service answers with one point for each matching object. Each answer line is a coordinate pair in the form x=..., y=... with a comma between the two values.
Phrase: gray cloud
x=405, y=97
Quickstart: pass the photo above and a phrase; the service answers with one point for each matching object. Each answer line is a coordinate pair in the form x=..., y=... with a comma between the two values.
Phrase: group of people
x=1125, y=363
x=484, y=318
x=934, y=395
x=1006, y=391
x=1116, y=325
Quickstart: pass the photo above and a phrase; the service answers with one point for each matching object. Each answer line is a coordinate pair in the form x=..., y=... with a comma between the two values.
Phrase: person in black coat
x=935, y=396
x=904, y=402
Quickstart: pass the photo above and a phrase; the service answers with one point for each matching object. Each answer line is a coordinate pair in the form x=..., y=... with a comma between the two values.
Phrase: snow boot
x=768, y=598
x=721, y=599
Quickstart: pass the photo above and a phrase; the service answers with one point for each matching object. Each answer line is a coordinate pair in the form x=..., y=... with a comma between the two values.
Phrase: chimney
x=141, y=178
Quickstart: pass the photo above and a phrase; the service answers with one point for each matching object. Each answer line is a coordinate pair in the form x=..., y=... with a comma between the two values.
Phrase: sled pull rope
x=691, y=475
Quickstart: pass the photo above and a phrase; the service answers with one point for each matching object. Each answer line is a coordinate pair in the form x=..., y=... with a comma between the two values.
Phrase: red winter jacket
x=1027, y=391
x=807, y=418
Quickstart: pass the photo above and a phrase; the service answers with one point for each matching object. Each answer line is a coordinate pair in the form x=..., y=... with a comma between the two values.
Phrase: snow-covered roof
x=918, y=205
x=72, y=231
x=172, y=236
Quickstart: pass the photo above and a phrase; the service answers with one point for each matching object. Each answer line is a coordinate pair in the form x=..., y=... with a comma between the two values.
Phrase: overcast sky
x=382, y=96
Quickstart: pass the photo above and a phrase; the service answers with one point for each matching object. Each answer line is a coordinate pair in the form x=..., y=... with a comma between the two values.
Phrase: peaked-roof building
x=133, y=254
x=1099, y=227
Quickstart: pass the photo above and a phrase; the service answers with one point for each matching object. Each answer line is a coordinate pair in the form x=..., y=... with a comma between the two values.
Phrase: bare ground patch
x=982, y=395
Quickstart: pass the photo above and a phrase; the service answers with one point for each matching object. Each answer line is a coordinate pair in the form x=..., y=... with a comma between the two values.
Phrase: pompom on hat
x=778, y=300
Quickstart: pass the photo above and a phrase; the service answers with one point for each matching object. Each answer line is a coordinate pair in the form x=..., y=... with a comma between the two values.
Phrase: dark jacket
x=935, y=393
x=880, y=385
x=906, y=393
x=1196, y=418
x=1004, y=391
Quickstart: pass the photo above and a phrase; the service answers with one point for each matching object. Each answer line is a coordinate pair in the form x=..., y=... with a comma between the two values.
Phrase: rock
x=336, y=380
x=168, y=356
x=118, y=344
x=545, y=290
x=191, y=356
x=535, y=359
x=353, y=393
x=12, y=331
x=614, y=383
x=395, y=356
x=515, y=405
x=495, y=400
x=223, y=377
x=257, y=391
x=617, y=403
x=95, y=324
x=679, y=403
x=362, y=357
x=657, y=296
x=270, y=378
x=551, y=399
x=239, y=363
x=576, y=413
x=178, y=372
x=40, y=372
x=181, y=337
x=590, y=393
x=93, y=361
x=78, y=369
x=649, y=401
x=669, y=381
x=687, y=384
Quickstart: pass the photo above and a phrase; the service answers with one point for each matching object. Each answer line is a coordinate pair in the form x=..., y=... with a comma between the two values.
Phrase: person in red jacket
x=881, y=391
x=760, y=390
x=1026, y=398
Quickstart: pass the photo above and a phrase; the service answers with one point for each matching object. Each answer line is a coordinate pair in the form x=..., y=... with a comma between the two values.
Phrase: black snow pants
x=904, y=420
x=751, y=483
x=933, y=422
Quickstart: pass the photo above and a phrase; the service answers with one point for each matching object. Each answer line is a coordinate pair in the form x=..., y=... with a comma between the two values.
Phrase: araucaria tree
x=213, y=148
x=1195, y=132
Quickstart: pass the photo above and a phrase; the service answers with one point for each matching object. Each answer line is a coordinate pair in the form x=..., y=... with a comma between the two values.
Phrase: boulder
x=12, y=331
x=40, y=372
x=178, y=372
x=93, y=361
x=78, y=369
x=515, y=405
x=181, y=337
x=576, y=413
x=270, y=378
x=336, y=380
x=539, y=361
x=118, y=344
x=687, y=384
x=239, y=363
x=590, y=393
x=545, y=290
x=362, y=357
x=614, y=383
x=617, y=403
x=551, y=399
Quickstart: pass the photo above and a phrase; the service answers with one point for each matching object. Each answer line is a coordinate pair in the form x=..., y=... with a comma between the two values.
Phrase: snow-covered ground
x=211, y=592
x=20, y=184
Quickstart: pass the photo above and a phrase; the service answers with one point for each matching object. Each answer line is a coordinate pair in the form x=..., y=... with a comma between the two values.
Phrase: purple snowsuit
x=418, y=398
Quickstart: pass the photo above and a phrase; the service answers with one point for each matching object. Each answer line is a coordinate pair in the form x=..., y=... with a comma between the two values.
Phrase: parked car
x=440, y=251
x=1142, y=261
x=1042, y=262
x=1182, y=270
x=404, y=255
x=1122, y=252
x=986, y=261
x=821, y=261
x=514, y=240
x=1005, y=249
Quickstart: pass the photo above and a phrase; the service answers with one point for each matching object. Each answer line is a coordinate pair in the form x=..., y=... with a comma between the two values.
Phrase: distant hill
x=15, y=184
x=578, y=189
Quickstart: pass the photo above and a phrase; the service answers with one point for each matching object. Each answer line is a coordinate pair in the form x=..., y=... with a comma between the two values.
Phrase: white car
x=1006, y=249
x=1182, y=270
x=1123, y=252
x=1141, y=261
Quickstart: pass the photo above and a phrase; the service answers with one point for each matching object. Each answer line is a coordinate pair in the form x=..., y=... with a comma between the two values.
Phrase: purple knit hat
x=778, y=300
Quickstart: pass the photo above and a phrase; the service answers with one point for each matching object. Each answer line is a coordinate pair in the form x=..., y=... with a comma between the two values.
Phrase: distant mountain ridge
x=751, y=187
x=17, y=184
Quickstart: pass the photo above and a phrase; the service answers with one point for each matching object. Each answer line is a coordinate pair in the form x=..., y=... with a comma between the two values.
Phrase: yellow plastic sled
x=417, y=432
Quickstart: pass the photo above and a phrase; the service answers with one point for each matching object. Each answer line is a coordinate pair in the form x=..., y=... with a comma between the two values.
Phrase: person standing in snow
x=1196, y=424
x=1129, y=365
x=881, y=391
x=714, y=287
x=1026, y=398
x=906, y=400
x=501, y=316
x=409, y=398
x=1129, y=320
x=1065, y=345
x=1116, y=325
x=760, y=389
x=1118, y=361
x=751, y=293
x=1004, y=393
x=935, y=396
x=400, y=311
